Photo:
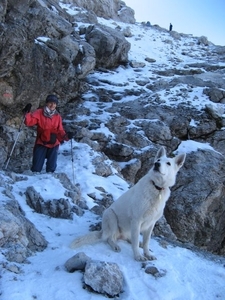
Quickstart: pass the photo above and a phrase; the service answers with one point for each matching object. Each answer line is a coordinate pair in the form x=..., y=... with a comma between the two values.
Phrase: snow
x=188, y=274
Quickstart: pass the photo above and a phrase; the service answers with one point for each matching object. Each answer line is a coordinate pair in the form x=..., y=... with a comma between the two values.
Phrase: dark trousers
x=40, y=154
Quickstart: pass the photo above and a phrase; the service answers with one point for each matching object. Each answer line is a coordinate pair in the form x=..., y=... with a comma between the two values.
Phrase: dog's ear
x=179, y=160
x=161, y=152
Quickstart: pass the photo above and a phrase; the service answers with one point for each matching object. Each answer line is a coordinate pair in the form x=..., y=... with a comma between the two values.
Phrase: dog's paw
x=113, y=245
x=140, y=258
x=150, y=257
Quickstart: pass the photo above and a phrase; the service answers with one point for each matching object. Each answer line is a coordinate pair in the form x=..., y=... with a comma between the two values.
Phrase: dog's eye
x=169, y=164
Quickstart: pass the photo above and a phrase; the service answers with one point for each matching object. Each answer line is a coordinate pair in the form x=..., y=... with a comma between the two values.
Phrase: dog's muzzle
x=156, y=166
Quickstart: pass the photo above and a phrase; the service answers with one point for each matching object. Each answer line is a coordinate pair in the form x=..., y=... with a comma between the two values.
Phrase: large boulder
x=104, y=277
x=40, y=47
x=196, y=208
x=18, y=236
x=110, y=46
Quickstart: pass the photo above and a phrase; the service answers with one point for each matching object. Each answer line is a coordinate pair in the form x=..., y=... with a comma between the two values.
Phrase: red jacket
x=50, y=132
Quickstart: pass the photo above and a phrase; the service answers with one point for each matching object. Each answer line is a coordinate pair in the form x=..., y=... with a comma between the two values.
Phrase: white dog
x=138, y=209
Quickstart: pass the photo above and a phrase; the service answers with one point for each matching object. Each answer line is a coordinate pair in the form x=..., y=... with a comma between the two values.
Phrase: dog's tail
x=90, y=238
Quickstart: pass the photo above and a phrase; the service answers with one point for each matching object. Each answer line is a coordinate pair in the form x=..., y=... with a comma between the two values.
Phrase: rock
x=136, y=64
x=77, y=262
x=18, y=236
x=195, y=210
x=125, y=14
x=118, y=150
x=31, y=56
x=142, y=81
x=130, y=169
x=116, y=10
x=127, y=32
x=154, y=271
x=203, y=40
x=104, y=277
x=101, y=168
x=110, y=46
x=150, y=60
x=162, y=228
x=216, y=95
x=13, y=268
x=215, y=112
x=56, y=208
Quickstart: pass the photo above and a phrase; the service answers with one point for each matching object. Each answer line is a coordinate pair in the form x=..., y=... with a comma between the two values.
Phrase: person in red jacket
x=50, y=133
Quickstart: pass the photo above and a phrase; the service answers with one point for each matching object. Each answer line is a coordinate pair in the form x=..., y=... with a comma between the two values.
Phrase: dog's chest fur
x=154, y=207
x=152, y=203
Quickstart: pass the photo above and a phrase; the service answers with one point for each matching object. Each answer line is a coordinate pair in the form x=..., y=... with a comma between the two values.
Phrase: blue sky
x=197, y=17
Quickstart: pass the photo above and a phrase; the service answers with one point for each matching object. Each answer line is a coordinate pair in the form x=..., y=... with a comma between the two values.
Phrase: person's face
x=51, y=105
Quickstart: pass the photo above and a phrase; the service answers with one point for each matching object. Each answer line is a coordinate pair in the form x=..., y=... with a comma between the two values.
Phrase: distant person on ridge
x=50, y=134
x=171, y=27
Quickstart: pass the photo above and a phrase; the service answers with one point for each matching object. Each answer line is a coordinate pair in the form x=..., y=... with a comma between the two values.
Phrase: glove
x=70, y=135
x=27, y=108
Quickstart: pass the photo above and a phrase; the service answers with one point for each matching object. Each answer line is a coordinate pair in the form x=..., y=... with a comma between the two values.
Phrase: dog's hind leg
x=110, y=230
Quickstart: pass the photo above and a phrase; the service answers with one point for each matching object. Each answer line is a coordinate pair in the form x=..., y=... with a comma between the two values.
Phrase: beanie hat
x=52, y=98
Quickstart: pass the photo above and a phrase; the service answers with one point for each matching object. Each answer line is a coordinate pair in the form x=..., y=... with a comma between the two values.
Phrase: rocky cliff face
x=108, y=9
x=41, y=46
x=46, y=49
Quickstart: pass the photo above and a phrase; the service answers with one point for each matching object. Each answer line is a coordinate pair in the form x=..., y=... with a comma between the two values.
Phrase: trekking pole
x=18, y=133
x=72, y=160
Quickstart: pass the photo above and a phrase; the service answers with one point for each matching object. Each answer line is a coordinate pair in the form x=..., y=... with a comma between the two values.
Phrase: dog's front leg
x=146, y=239
x=135, y=232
